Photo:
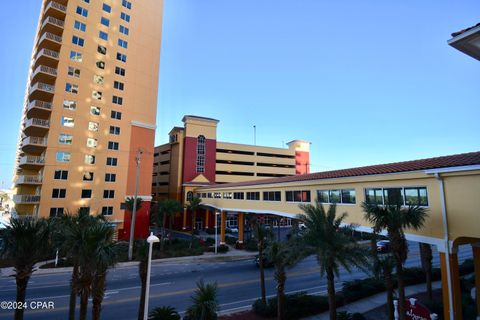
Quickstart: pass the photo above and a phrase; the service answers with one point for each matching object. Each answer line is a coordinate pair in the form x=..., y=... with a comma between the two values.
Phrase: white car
x=302, y=226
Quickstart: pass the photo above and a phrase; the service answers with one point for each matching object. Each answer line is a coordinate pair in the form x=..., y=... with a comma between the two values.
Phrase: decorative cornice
x=143, y=125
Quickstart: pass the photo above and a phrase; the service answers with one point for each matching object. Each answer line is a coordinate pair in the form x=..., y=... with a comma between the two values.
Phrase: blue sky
x=366, y=82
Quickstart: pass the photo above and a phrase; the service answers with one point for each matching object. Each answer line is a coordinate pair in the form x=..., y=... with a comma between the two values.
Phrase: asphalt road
x=173, y=284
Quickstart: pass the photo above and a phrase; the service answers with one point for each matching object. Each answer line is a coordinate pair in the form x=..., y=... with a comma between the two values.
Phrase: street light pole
x=151, y=240
x=216, y=233
x=134, y=211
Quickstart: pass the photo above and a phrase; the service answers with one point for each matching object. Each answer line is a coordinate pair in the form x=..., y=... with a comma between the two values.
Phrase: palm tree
x=164, y=313
x=26, y=242
x=395, y=218
x=261, y=235
x=385, y=265
x=331, y=244
x=167, y=208
x=106, y=257
x=283, y=254
x=426, y=259
x=193, y=205
x=130, y=201
x=205, y=303
x=96, y=242
x=141, y=255
x=67, y=236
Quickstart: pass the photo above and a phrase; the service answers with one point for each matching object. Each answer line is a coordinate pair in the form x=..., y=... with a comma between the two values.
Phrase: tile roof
x=464, y=30
x=463, y=159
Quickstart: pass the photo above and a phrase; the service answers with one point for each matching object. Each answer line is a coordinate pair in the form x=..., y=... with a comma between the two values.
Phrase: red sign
x=415, y=310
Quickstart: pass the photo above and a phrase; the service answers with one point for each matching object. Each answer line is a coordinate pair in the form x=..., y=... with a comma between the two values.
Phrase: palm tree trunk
x=262, y=272
x=170, y=227
x=73, y=293
x=22, y=282
x=376, y=260
x=194, y=215
x=164, y=222
x=426, y=258
x=142, y=272
x=98, y=295
x=401, y=289
x=83, y=304
x=281, y=278
x=389, y=286
x=331, y=293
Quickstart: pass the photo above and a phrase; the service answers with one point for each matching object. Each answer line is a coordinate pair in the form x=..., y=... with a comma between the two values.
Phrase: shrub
x=358, y=289
x=251, y=245
x=344, y=315
x=212, y=230
x=230, y=240
x=220, y=249
x=164, y=313
x=210, y=241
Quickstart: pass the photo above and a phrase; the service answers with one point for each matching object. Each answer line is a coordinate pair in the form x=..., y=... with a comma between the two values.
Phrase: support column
x=455, y=278
x=241, y=223
x=223, y=222
x=184, y=225
x=476, y=262
x=207, y=218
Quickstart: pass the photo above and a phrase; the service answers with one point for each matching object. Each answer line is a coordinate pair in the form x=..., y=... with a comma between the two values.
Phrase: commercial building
x=194, y=158
x=90, y=107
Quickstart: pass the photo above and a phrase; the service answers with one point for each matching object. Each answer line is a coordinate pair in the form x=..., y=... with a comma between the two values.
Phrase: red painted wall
x=142, y=223
x=190, y=159
x=302, y=162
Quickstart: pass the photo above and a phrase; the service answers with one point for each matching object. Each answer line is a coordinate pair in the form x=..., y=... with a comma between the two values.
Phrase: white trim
x=463, y=35
x=236, y=211
x=144, y=198
x=143, y=125
x=453, y=169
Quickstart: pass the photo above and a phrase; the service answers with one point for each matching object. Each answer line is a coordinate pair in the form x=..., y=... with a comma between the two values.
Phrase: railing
x=25, y=198
x=43, y=87
x=48, y=53
x=54, y=21
x=40, y=104
x=45, y=69
x=50, y=36
x=29, y=179
x=35, y=140
x=32, y=160
x=37, y=122
x=56, y=5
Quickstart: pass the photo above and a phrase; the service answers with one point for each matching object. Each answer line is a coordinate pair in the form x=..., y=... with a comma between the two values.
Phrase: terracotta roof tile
x=464, y=30
x=463, y=159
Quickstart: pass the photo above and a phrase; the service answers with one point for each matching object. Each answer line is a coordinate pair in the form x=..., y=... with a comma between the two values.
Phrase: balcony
x=29, y=179
x=44, y=74
x=34, y=145
x=55, y=10
x=31, y=162
x=53, y=25
x=36, y=127
x=37, y=108
x=26, y=199
x=47, y=57
x=41, y=91
x=50, y=41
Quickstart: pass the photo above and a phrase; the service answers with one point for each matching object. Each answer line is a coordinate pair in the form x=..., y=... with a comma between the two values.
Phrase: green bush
x=210, y=241
x=297, y=305
x=164, y=313
x=212, y=230
x=251, y=245
x=230, y=240
x=220, y=249
x=358, y=289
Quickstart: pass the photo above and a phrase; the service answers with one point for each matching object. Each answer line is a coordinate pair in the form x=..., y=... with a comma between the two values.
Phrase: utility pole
x=134, y=211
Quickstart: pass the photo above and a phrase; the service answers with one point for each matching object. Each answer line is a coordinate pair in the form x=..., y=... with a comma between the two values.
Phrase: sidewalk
x=372, y=302
x=231, y=255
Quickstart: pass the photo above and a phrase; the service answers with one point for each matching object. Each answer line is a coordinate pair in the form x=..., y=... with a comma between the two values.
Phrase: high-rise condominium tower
x=90, y=107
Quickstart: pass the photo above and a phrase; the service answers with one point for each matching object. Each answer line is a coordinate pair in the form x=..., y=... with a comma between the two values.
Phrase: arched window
x=200, y=154
x=189, y=195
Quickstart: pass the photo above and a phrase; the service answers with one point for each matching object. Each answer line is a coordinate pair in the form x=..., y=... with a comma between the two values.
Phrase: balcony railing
x=42, y=87
x=39, y=104
x=53, y=21
x=39, y=141
x=29, y=179
x=56, y=6
x=46, y=70
x=47, y=53
x=32, y=160
x=26, y=198
x=37, y=122
x=50, y=37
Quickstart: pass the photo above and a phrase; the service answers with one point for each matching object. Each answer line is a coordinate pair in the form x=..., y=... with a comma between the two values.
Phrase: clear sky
x=366, y=82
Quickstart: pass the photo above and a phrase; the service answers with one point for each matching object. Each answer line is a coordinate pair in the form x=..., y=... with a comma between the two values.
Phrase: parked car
x=232, y=229
x=302, y=226
x=266, y=263
x=383, y=246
